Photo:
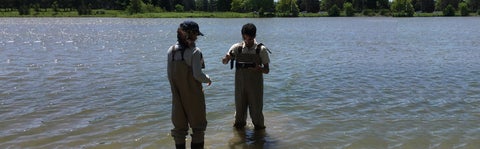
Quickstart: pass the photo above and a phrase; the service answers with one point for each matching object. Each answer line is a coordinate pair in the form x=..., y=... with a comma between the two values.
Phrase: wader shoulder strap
x=259, y=47
x=232, y=61
x=183, y=52
x=257, y=50
x=203, y=61
x=175, y=50
x=173, y=53
x=240, y=48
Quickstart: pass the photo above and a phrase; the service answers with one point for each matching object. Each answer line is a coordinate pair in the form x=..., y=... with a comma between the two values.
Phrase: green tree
x=55, y=7
x=289, y=7
x=205, y=5
x=383, y=4
x=224, y=5
x=358, y=5
x=65, y=4
x=166, y=4
x=179, y=8
x=371, y=4
x=36, y=8
x=84, y=9
x=442, y=4
x=427, y=6
x=334, y=11
x=463, y=9
x=309, y=5
x=473, y=4
x=252, y=5
x=368, y=12
x=24, y=10
x=242, y=5
x=236, y=6
x=348, y=7
x=135, y=6
x=212, y=5
x=152, y=8
x=402, y=8
x=23, y=7
x=449, y=11
x=266, y=5
x=188, y=5
x=327, y=4
x=45, y=4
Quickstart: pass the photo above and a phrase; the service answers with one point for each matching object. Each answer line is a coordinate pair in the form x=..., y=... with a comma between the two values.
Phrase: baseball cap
x=191, y=26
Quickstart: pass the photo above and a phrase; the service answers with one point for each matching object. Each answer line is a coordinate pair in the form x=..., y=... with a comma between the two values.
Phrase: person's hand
x=209, y=80
x=208, y=84
x=258, y=68
x=226, y=59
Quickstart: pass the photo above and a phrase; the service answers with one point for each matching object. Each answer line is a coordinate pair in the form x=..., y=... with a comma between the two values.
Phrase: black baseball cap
x=191, y=26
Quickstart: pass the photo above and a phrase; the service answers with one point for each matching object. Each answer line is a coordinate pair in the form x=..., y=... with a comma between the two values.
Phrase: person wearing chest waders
x=251, y=62
x=185, y=63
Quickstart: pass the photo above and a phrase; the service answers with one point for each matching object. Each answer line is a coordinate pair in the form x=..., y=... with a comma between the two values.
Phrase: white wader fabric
x=188, y=104
x=248, y=92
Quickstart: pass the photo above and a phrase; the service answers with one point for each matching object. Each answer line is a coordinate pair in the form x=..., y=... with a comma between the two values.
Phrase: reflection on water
x=248, y=138
x=334, y=83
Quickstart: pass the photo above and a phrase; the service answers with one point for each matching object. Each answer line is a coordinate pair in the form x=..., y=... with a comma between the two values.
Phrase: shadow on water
x=250, y=139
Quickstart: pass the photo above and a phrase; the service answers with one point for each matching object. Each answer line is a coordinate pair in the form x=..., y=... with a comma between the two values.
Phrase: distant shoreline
x=196, y=14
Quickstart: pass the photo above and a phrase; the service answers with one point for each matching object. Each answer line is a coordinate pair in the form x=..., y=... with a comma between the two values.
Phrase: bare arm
x=266, y=68
x=226, y=59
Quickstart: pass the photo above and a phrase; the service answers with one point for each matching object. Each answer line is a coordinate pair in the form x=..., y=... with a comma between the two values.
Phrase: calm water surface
x=334, y=83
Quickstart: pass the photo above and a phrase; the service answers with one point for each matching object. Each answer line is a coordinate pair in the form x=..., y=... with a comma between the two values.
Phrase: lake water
x=373, y=82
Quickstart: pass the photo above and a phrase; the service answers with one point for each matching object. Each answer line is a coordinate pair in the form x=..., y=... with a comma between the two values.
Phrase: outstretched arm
x=226, y=59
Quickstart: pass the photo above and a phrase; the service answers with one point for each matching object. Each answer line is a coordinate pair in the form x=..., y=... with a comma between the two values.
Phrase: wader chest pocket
x=244, y=64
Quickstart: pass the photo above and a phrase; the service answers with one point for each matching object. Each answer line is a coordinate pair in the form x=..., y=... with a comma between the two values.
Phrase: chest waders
x=188, y=103
x=248, y=89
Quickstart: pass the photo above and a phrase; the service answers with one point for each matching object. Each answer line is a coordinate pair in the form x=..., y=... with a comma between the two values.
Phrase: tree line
x=279, y=8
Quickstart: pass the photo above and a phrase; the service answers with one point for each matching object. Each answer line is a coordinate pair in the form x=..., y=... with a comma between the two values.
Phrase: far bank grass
x=123, y=14
x=51, y=13
x=191, y=14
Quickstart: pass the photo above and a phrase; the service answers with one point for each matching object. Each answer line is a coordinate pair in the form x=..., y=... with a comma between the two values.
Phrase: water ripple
x=384, y=83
